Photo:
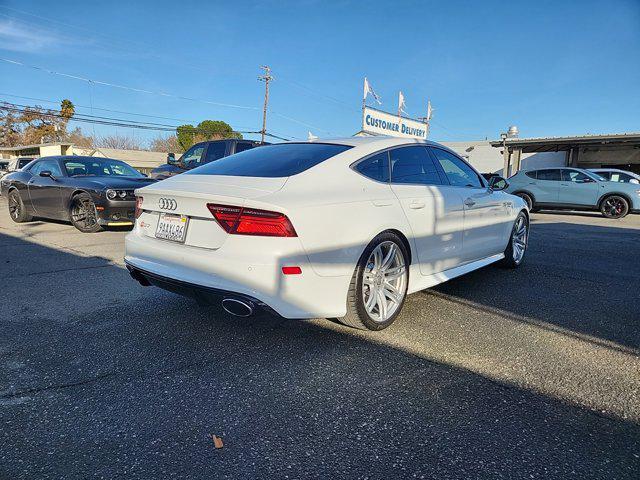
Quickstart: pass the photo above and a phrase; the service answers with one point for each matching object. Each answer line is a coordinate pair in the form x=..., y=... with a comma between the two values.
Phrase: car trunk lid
x=187, y=196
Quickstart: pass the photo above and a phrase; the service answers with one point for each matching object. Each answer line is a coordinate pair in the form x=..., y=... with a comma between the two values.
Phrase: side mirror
x=587, y=180
x=498, y=183
x=171, y=159
x=47, y=173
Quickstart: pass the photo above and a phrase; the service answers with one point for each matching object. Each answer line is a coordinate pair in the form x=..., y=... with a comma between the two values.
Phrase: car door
x=577, y=188
x=215, y=151
x=487, y=219
x=433, y=209
x=546, y=186
x=45, y=192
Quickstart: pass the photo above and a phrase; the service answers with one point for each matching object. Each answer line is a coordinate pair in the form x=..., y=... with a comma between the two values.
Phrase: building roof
x=135, y=158
x=555, y=144
x=36, y=145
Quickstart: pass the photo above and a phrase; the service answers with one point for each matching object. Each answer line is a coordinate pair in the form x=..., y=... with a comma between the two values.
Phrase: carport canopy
x=618, y=150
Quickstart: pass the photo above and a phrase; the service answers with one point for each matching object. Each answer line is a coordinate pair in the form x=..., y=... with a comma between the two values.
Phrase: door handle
x=469, y=202
x=416, y=205
x=382, y=203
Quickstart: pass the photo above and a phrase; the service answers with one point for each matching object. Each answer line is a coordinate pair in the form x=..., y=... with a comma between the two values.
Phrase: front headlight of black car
x=118, y=194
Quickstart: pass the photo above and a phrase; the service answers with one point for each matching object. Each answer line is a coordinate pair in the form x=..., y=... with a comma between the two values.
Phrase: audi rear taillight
x=138, y=206
x=251, y=221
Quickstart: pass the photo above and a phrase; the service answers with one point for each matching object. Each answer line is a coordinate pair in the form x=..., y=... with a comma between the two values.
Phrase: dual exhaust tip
x=233, y=306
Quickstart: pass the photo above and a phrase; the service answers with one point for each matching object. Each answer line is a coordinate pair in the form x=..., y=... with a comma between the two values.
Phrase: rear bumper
x=247, y=267
x=205, y=295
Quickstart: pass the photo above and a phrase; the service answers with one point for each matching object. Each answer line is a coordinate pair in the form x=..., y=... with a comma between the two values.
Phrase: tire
x=83, y=214
x=17, y=210
x=614, y=206
x=518, y=241
x=528, y=199
x=392, y=280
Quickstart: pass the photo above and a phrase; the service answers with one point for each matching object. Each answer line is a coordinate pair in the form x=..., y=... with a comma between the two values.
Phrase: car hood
x=630, y=188
x=125, y=183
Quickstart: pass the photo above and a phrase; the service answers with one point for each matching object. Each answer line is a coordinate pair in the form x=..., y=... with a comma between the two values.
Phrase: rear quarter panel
x=333, y=212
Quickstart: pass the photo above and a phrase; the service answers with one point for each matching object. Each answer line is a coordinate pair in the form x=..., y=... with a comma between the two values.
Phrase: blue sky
x=551, y=67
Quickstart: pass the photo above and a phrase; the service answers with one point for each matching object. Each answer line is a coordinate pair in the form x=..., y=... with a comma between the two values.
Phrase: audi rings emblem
x=167, y=204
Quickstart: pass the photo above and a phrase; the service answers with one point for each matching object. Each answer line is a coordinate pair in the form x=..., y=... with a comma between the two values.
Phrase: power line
x=164, y=94
x=136, y=114
x=97, y=120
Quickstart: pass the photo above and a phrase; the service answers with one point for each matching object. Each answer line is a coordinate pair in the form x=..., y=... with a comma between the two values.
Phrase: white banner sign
x=383, y=123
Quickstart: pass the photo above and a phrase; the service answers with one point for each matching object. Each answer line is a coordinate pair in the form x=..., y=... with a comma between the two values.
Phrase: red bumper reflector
x=291, y=270
x=138, y=206
x=251, y=221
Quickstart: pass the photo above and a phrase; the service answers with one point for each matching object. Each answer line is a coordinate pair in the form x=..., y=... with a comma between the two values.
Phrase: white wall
x=488, y=159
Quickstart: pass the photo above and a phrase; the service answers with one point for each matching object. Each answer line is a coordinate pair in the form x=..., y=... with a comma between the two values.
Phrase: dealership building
x=511, y=154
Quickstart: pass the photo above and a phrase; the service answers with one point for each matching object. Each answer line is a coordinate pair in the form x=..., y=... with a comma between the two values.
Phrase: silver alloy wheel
x=383, y=283
x=519, y=239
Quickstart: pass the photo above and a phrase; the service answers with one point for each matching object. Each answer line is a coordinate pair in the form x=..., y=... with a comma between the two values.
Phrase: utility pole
x=266, y=78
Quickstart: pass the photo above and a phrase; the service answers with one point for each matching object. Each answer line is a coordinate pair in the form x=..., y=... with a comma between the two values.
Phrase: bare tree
x=165, y=144
x=77, y=137
x=121, y=142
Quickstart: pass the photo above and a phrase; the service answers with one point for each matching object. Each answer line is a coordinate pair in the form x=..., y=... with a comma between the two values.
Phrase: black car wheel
x=83, y=214
x=614, y=206
x=527, y=199
x=17, y=210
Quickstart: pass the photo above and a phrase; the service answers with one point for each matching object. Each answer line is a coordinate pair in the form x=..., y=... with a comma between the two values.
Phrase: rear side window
x=376, y=167
x=413, y=165
x=549, y=175
x=242, y=146
x=215, y=151
x=281, y=160
x=531, y=174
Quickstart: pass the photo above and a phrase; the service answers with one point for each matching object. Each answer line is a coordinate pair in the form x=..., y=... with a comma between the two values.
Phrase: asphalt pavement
x=532, y=373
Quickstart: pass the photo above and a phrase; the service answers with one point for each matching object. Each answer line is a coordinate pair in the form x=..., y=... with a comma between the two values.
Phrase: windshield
x=281, y=160
x=99, y=167
x=598, y=177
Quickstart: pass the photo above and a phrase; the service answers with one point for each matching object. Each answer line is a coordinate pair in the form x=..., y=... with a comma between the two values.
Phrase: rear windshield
x=281, y=160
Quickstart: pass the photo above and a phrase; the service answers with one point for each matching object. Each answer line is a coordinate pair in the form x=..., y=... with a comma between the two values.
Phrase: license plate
x=172, y=227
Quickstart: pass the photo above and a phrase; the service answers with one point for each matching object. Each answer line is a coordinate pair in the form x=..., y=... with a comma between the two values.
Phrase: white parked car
x=340, y=228
x=617, y=175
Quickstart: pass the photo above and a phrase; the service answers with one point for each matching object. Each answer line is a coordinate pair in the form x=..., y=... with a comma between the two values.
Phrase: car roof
x=378, y=140
x=76, y=157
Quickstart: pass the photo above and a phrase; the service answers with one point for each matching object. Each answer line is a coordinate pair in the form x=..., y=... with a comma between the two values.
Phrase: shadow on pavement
x=101, y=377
x=582, y=278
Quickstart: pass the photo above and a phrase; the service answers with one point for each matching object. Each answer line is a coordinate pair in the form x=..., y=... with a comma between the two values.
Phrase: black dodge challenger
x=90, y=192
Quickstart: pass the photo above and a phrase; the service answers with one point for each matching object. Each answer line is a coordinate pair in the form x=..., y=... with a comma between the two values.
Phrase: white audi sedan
x=341, y=228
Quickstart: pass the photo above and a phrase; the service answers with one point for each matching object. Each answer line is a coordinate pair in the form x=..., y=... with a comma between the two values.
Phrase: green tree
x=206, y=130
x=185, y=135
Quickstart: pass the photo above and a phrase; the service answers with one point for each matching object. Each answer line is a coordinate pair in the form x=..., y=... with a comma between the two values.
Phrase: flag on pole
x=368, y=89
x=401, y=104
x=429, y=111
